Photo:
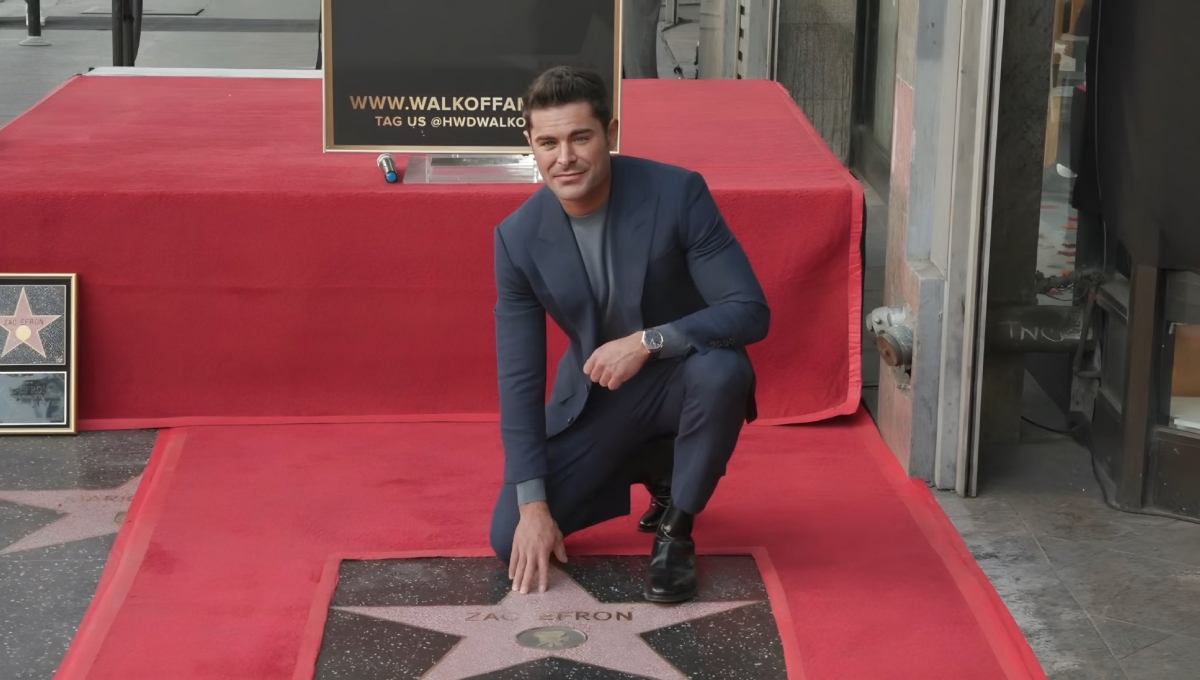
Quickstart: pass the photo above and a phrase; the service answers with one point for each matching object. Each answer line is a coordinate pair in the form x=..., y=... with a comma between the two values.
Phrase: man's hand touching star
x=536, y=538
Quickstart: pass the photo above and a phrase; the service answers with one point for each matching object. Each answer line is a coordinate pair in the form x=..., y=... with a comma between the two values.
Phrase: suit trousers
x=639, y=54
x=701, y=400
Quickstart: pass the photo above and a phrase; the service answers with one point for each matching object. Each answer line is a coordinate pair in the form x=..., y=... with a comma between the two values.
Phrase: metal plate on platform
x=471, y=169
x=453, y=618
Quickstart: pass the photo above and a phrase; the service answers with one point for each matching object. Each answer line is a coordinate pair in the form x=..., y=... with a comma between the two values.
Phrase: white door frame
x=968, y=223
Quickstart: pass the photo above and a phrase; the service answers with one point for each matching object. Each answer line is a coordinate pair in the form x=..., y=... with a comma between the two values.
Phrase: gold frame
x=71, y=427
x=327, y=98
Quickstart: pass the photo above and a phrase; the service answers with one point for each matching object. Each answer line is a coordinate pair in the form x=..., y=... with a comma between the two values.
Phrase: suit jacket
x=674, y=261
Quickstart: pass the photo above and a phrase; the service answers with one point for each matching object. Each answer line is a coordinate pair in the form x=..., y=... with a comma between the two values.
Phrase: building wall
x=934, y=159
x=939, y=58
x=918, y=222
x=895, y=394
x=816, y=64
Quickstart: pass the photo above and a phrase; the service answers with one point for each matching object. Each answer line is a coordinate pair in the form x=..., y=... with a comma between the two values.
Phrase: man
x=632, y=259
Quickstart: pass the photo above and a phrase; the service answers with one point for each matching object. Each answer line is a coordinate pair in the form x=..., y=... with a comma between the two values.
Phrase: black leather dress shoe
x=660, y=498
x=672, y=573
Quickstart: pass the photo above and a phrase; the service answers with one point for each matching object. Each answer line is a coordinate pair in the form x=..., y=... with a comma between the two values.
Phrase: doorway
x=874, y=96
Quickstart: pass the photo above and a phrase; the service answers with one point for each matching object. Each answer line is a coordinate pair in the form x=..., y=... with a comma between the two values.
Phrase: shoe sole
x=660, y=599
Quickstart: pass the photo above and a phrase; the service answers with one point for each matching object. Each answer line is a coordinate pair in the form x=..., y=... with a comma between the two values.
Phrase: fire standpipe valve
x=893, y=336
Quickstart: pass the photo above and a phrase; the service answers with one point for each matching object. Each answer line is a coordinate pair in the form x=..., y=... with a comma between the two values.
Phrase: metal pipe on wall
x=118, y=30
x=126, y=31
x=33, y=19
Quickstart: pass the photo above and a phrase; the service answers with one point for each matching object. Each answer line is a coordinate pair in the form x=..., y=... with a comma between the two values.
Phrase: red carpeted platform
x=231, y=272
x=215, y=571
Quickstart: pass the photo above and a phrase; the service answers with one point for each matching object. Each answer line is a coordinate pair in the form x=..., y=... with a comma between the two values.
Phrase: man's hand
x=614, y=363
x=536, y=537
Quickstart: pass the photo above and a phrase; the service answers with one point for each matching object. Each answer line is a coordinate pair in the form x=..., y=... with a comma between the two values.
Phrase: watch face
x=652, y=339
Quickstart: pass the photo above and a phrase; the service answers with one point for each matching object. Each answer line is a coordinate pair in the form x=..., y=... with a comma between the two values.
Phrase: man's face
x=572, y=151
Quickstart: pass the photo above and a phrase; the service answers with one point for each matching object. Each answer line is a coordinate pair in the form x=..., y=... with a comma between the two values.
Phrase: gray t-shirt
x=591, y=234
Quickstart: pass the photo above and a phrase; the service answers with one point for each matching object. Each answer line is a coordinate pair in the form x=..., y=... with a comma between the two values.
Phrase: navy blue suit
x=674, y=261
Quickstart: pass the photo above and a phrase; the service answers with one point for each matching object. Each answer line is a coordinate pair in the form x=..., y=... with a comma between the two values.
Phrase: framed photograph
x=37, y=354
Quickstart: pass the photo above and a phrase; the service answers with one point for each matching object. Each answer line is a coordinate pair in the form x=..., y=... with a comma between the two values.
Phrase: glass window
x=875, y=92
x=1181, y=350
x=1059, y=224
x=1185, y=378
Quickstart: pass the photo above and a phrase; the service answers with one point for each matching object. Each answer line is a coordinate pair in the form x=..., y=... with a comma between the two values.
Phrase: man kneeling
x=632, y=259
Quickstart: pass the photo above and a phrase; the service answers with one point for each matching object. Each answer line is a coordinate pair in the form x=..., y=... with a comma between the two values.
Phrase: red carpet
x=230, y=272
x=215, y=571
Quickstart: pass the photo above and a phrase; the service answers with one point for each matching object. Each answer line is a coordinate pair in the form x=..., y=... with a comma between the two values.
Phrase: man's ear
x=614, y=127
x=528, y=140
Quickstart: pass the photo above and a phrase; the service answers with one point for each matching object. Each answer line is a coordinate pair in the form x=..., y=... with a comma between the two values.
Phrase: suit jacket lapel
x=557, y=256
x=631, y=230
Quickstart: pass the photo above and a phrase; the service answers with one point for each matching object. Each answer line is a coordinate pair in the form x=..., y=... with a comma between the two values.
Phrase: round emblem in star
x=551, y=637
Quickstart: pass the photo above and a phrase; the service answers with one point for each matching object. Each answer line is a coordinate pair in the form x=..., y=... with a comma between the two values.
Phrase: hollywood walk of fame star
x=24, y=327
x=86, y=513
x=489, y=632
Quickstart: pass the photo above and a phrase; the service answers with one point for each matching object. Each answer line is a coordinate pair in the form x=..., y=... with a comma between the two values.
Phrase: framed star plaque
x=37, y=354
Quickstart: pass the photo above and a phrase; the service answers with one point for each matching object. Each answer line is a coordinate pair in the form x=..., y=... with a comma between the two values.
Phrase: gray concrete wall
x=816, y=64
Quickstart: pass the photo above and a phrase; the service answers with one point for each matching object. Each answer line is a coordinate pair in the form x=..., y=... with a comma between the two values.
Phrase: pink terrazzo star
x=86, y=513
x=490, y=632
x=25, y=327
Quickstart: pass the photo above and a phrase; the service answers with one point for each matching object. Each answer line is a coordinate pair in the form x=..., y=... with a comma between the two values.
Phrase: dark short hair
x=563, y=85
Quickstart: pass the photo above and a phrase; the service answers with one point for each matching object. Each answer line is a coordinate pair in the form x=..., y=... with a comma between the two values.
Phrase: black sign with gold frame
x=37, y=357
x=447, y=76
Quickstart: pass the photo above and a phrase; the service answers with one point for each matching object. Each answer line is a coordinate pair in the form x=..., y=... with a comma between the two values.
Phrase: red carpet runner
x=215, y=571
x=229, y=271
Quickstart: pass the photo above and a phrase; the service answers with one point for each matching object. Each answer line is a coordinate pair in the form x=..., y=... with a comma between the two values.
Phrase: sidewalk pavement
x=209, y=9
x=80, y=41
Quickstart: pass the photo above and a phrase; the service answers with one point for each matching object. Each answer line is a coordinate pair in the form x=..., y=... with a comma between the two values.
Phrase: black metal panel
x=1052, y=372
x=1173, y=475
x=1138, y=166
x=867, y=158
x=416, y=76
x=1106, y=443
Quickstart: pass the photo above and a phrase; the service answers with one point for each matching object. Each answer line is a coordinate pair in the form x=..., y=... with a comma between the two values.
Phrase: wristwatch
x=652, y=340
